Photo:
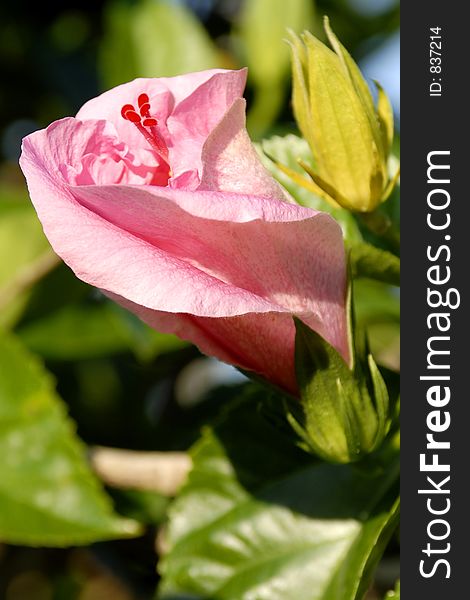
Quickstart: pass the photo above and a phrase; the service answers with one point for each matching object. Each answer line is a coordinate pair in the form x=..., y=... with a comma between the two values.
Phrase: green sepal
x=359, y=83
x=385, y=117
x=392, y=182
x=345, y=407
x=300, y=97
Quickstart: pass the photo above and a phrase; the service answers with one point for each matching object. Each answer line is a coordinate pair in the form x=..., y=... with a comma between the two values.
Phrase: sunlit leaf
x=117, y=59
x=281, y=527
x=263, y=31
x=153, y=38
x=48, y=495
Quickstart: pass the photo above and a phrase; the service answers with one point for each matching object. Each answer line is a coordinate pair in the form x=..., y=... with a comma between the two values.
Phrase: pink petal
x=87, y=152
x=230, y=162
x=236, y=253
x=197, y=114
x=262, y=343
x=108, y=105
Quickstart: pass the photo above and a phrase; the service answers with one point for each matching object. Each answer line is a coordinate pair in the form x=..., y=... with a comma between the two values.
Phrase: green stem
x=381, y=225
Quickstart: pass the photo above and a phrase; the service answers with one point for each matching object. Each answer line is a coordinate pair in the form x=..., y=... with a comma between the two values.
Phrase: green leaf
x=375, y=302
x=374, y=263
x=377, y=312
x=263, y=31
x=117, y=57
x=153, y=39
x=260, y=519
x=142, y=505
x=288, y=150
x=170, y=40
x=48, y=495
x=25, y=254
x=78, y=332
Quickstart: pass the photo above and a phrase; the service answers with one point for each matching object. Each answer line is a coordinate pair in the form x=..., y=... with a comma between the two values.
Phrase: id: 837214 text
x=435, y=61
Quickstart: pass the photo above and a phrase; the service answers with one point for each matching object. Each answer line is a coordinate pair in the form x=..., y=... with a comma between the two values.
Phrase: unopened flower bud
x=350, y=137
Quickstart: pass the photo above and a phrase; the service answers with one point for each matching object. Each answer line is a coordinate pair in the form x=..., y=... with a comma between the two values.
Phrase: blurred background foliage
x=123, y=384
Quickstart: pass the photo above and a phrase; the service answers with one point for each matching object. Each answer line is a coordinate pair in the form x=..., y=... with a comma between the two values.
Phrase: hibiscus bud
x=155, y=194
x=345, y=408
x=349, y=136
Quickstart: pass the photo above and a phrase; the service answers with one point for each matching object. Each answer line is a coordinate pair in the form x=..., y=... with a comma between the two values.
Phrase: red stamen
x=132, y=116
x=145, y=110
x=152, y=134
x=125, y=109
x=143, y=99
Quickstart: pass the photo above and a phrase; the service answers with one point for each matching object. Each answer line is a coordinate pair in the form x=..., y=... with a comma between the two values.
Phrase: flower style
x=154, y=194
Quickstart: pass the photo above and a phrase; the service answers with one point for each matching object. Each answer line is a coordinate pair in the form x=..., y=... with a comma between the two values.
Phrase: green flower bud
x=349, y=136
x=345, y=408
